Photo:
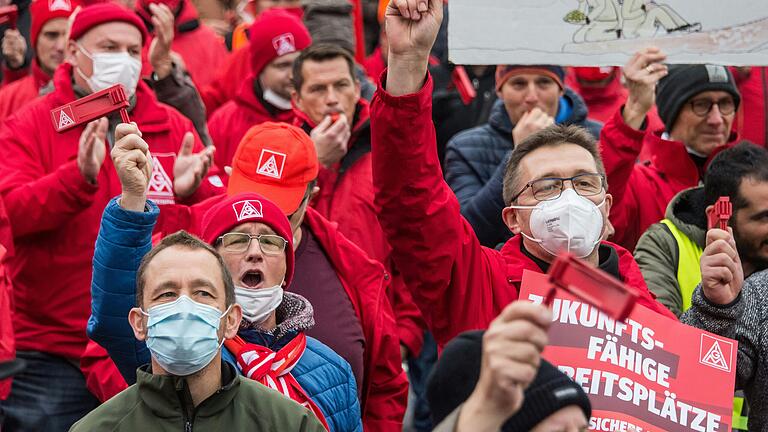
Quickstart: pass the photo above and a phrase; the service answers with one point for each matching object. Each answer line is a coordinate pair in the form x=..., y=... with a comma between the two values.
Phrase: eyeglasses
x=550, y=188
x=269, y=244
x=702, y=107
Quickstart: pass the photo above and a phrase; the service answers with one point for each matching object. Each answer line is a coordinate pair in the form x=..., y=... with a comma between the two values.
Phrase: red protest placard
x=648, y=372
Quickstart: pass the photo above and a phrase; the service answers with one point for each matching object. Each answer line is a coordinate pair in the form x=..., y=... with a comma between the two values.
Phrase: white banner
x=607, y=32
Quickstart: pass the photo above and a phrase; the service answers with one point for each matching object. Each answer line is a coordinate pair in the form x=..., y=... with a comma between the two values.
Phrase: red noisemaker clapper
x=90, y=108
x=8, y=16
x=721, y=214
x=591, y=285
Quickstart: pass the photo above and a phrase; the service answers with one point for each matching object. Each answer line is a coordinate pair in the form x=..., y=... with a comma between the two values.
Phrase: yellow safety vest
x=688, y=277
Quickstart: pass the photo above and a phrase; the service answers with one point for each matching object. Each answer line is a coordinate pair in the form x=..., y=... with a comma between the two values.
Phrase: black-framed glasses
x=550, y=188
x=702, y=107
x=269, y=244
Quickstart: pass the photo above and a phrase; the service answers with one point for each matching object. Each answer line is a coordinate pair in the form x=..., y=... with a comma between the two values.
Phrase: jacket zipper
x=186, y=401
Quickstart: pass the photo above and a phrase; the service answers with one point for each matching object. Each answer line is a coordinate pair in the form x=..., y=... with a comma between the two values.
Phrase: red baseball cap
x=245, y=208
x=276, y=160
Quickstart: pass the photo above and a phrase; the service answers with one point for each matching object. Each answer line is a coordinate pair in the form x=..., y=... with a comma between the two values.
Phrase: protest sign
x=606, y=32
x=648, y=372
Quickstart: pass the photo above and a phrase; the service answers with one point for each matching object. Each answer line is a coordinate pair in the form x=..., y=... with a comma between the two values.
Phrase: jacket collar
x=147, y=113
x=247, y=97
x=687, y=212
x=41, y=78
x=500, y=121
x=671, y=158
x=168, y=396
x=518, y=258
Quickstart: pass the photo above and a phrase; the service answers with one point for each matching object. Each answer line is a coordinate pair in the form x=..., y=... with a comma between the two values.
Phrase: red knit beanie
x=244, y=208
x=275, y=34
x=102, y=13
x=45, y=10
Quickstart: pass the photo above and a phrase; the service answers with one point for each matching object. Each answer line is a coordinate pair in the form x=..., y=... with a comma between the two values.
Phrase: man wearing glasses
x=697, y=104
x=255, y=241
x=554, y=190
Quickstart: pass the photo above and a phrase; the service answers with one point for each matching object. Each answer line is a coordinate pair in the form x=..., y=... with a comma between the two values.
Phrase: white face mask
x=570, y=223
x=258, y=304
x=277, y=100
x=112, y=68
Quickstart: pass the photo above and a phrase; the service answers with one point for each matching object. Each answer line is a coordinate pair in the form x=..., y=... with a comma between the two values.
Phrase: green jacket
x=163, y=403
x=657, y=252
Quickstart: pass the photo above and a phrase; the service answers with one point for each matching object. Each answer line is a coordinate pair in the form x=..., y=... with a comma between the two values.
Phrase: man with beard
x=669, y=251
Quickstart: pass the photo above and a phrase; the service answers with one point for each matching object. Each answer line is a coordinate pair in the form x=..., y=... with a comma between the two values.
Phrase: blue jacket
x=473, y=156
x=124, y=238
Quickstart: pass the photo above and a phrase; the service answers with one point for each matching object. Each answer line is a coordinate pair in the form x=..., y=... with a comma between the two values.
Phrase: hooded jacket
x=163, y=402
x=198, y=45
x=19, y=93
x=641, y=191
x=458, y=284
x=657, y=251
x=232, y=120
x=54, y=211
x=125, y=237
x=346, y=197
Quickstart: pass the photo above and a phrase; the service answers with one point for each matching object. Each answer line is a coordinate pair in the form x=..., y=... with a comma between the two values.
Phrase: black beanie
x=685, y=81
x=457, y=371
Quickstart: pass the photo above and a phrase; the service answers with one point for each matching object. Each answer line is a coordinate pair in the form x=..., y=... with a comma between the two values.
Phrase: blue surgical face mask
x=183, y=335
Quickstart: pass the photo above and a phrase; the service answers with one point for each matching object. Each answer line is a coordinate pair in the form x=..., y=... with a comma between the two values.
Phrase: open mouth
x=252, y=278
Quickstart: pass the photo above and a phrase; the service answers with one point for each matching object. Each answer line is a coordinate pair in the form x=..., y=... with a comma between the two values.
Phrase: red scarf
x=273, y=369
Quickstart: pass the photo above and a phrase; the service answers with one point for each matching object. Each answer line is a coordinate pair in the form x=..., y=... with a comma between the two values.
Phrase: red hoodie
x=54, y=212
x=458, y=284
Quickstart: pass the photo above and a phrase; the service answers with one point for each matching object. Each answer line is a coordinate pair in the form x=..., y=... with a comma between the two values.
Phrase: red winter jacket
x=641, y=191
x=385, y=387
x=347, y=197
x=224, y=86
x=102, y=378
x=458, y=284
x=751, y=121
x=18, y=93
x=228, y=125
x=201, y=49
x=7, y=349
x=55, y=212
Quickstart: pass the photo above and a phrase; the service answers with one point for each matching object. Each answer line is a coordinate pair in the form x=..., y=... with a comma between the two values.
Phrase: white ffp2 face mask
x=257, y=304
x=570, y=223
x=113, y=68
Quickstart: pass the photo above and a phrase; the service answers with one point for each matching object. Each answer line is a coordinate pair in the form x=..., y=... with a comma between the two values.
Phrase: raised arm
x=124, y=238
x=434, y=248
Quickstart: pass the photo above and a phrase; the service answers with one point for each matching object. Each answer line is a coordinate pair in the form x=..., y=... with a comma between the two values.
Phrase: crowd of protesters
x=307, y=224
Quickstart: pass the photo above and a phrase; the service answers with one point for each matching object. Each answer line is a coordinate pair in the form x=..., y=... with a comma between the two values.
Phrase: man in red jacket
x=330, y=109
x=200, y=48
x=697, y=104
x=554, y=187
x=277, y=38
x=347, y=289
x=7, y=343
x=48, y=37
x=55, y=186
